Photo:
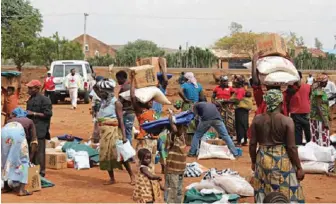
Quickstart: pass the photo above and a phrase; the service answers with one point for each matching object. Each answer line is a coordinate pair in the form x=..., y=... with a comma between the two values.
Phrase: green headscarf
x=273, y=98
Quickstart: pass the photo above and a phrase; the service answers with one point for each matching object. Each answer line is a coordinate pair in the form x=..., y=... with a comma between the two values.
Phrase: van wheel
x=86, y=98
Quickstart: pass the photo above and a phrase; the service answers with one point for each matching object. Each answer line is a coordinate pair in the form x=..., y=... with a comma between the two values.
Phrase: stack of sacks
x=226, y=181
x=274, y=70
x=316, y=159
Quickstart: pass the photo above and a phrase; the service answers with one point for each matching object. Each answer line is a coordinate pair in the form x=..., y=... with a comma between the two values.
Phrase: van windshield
x=58, y=71
x=78, y=67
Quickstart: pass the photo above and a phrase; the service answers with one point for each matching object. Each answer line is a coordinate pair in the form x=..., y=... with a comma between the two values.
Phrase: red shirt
x=240, y=93
x=258, y=95
x=49, y=84
x=300, y=102
x=223, y=93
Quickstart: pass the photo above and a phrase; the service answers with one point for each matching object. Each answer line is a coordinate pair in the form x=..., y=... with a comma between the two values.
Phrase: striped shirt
x=177, y=156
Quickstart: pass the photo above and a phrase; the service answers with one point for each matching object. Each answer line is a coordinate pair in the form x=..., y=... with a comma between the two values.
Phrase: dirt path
x=87, y=185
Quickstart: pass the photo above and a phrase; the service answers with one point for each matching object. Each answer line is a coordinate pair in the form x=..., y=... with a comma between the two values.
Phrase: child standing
x=147, y=187
x=176, y=162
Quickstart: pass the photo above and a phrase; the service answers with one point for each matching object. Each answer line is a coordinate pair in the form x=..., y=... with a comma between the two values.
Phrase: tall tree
x=293, y=40
x=140, y=48
x=318, y=44
x=20, y=25
x=235, y=28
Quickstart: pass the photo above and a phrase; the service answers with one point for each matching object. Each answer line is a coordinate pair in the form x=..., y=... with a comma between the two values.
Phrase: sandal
x=25, y=193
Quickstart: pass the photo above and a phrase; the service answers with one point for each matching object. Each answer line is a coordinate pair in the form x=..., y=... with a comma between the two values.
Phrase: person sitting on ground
x=176, y=162
x=112, y=128
x=273, y=132
x=14, y=158
x=144, y=113
x=20, y=116
x=210, y=117
x=147, y=187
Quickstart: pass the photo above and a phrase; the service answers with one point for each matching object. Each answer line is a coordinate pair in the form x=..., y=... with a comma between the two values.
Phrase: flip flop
x=26, y=193
x=109, y=183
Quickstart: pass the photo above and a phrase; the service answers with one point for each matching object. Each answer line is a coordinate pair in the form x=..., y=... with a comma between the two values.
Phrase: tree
x=318, y=44
x=20, y=25
x=105, y=60
x=243, y=42
x=140, y=48
x=293, y=40
x=235, y=28
x=48, y=49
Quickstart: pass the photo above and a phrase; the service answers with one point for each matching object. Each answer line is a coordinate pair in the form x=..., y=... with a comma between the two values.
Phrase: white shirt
x=330, y=89
x=310, y=80
x=73, y=81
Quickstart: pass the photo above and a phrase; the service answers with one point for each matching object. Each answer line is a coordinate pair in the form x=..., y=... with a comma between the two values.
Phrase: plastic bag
x=233, y=184
x=146, y=94
x=208, y=151
x=82, y=160
x=125, y=150
x=70, y=154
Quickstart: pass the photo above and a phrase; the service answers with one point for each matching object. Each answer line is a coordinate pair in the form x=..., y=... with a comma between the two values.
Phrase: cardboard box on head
x=157, y=62
x=145, y=76
x=271, y=44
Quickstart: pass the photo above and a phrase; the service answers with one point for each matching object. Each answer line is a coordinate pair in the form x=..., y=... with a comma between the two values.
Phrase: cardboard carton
x=216, y=142
x=271, y=44
x=155, y=61
x=144, y=76
x=56, y=160
x=115, y=70
x=34, y=179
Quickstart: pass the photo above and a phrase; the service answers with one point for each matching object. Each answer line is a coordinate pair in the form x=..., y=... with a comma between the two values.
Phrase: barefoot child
x=176, y=162
x=147, y=187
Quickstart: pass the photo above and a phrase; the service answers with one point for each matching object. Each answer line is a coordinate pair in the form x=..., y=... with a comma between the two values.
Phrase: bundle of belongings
x=274, y=68
x=218, y=186
x=316, y=159
x=194, y=170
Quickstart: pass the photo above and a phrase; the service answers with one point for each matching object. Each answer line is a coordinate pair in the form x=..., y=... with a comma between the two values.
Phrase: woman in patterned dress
x=276, y=164
x=319, y=114
x=14, y=157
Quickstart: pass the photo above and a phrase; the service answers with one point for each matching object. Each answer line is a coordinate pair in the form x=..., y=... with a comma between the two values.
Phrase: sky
x=170, y=23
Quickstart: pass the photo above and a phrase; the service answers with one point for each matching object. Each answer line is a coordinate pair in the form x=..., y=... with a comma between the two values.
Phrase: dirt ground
x=87, y=185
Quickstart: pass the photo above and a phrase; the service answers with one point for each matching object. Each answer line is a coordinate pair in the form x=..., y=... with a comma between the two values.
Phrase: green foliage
x=20, y=25
x=105, y=60
x=306, y=61
x=293, y=40
x=140, y=48
x=318, y=44
x=48, y=49
x=194, y=57
x=235, y=28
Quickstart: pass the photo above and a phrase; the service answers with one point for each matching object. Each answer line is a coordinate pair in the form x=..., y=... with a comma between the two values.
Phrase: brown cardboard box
x=34, y=179
x=216, y=142
x=155, y=62
x=271, y=44
x=115, y=70
x=56, y=160
x=144, y=76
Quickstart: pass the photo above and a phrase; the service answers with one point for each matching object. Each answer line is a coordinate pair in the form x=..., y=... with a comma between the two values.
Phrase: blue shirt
x=190, y=92
x=108, y=111
x=157, y=107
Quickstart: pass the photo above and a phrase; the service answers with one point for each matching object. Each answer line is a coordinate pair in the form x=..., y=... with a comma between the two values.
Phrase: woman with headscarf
x=276, y=164
x=112, y=128
x=191, y=92
x=14, y=158
x=319, y=113
x=20, y=116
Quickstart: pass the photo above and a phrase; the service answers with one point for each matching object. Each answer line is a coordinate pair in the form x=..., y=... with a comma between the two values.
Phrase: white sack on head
x=280, y=78
x=146, y=94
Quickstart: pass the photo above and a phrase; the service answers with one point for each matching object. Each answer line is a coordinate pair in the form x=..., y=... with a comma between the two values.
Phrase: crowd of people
x=282, y=115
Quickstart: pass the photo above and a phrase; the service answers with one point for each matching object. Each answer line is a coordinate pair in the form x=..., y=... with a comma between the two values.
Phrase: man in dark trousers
x=39, y=110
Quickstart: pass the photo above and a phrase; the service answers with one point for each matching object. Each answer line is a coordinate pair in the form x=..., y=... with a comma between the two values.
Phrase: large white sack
x=322, y=154
x=146, y=94
x=233, y=184
x=272, y=64
x=314, y=167
x=208, y=151
x=280, y=78
x=306, y=154
x=82, y=160
x=205, y=184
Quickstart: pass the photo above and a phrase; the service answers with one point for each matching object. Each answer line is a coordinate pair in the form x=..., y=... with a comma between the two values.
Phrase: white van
x=60, y=69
